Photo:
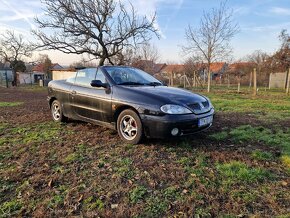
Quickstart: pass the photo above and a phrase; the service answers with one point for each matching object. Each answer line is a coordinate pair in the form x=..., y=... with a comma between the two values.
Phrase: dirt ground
x=79, y=169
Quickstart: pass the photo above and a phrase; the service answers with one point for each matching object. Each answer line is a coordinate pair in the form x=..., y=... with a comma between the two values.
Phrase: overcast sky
x=260, y=23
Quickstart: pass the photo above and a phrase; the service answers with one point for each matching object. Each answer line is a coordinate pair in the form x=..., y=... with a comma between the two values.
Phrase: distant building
x=149, y=66
x=6, y=76
x=64, y=73
x=34, y=73
x=217, y=70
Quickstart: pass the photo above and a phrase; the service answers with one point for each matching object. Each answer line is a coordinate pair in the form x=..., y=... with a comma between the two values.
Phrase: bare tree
x=83, y=63
x=281, y=59
x=13, y=48
x=145, y=57
x=259, y=58
x=47, y=65
x=148, y=52
x=210, y=40
x=100, y=28
x=261, y=61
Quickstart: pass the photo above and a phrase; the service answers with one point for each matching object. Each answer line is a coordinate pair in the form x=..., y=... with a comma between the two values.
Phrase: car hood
x=168, y=94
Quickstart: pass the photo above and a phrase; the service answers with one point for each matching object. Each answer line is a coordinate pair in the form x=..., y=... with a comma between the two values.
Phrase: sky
x=260, y=22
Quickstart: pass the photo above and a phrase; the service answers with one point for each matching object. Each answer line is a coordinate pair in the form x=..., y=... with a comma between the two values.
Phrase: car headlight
x=174, y=109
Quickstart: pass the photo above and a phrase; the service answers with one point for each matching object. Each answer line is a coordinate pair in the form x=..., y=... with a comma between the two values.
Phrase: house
x=217, y=70
x=149, y=66
x=64, y=73
x=172, y=72
x=34, y=73
x=39, y=71
x=240, y=72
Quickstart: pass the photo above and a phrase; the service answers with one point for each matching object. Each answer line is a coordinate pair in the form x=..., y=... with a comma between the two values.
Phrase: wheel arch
x=121, y=108
x=52, y=99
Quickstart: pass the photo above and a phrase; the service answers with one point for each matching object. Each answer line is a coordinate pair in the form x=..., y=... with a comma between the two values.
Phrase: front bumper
x=161, y=126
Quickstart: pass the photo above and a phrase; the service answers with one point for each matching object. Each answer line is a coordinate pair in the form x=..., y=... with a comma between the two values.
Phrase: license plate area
x=205, y=121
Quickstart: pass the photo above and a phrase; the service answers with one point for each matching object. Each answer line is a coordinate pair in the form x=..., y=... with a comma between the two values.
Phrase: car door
x=90, y=102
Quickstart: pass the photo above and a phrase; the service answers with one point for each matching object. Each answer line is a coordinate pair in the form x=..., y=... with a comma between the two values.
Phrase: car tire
x=56, y=112
x=130, y=127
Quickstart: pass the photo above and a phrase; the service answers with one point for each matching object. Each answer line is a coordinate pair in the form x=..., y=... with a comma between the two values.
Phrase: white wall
x=277, y=80
x=60, y=75
x=25, y=78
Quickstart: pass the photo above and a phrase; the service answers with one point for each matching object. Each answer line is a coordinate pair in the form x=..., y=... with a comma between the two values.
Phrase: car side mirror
x=164, y=83
x=98, y=84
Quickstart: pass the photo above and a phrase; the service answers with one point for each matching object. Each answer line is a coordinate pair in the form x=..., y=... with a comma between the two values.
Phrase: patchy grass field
x=238, y=168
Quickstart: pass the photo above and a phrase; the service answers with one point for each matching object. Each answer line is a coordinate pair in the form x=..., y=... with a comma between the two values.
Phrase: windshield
x=131, y=76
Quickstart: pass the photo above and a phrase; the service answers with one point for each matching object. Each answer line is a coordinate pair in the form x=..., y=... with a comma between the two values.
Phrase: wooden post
x=228, y=81
x=270, y=78
x=208, y=81
x=255, y=82
x=239, y=84
x=288, y=82
x=184, y=80
x=251, y=77
x=194, y=82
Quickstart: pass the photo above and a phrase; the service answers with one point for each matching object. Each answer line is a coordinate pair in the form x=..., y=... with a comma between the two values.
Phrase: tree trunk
x=251, y=77
x=208, y=78
x=255, y=82
x=288, y=82
x=102, y=61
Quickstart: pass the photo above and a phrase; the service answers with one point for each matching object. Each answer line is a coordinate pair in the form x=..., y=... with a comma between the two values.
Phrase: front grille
x=199, y=107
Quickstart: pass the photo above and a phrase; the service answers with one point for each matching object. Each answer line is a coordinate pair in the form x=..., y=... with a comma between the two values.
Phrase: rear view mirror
x=98, y=84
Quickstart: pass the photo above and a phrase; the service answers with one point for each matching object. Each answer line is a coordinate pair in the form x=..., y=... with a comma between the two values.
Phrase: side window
x=101, y=76
x=85, y=76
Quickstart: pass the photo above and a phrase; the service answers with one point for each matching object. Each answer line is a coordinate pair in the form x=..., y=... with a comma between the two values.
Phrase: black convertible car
x=130, y=101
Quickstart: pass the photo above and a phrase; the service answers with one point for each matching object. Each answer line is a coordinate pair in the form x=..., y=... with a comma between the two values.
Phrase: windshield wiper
x=154, y=84
x=131, y=83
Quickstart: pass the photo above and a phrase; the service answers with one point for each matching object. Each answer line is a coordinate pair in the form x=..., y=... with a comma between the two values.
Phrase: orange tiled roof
x=40, y=67
x=216, y=67
x=176, y=68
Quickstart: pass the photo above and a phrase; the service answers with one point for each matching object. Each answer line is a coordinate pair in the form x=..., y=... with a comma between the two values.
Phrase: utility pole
x=255, y=82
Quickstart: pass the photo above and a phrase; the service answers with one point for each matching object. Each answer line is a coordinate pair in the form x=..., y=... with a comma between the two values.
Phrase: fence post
x=255, y=82
x=251, y=77
x=270, y=78
x=288, y=82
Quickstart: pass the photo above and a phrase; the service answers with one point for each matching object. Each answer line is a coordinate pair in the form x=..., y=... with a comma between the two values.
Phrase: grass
x=270, y=137
x=265, y=106
x=237, y=172
x=34, y=133
x=10, y=208
x=46, y=170
x=262, y=155
x=92, y=203
x=10, y=104
x=137, y=194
